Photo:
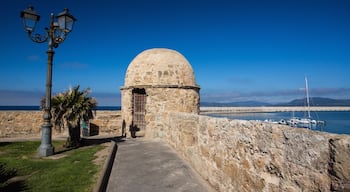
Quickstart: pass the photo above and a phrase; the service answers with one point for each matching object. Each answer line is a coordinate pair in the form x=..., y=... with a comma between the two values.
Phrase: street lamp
x=55, y=34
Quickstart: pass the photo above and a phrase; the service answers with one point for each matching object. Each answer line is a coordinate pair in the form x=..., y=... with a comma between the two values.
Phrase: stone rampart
x=20, y=123
x=232, y=155
x=28, y=123
x=238, y=155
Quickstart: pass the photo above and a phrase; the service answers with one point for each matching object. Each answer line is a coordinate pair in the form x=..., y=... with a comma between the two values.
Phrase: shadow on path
x=88, y=141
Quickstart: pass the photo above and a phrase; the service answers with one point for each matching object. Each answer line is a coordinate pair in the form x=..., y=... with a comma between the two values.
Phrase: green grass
x=74, y=172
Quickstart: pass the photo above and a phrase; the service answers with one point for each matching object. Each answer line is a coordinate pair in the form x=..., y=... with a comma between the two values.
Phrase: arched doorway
x=139, y=97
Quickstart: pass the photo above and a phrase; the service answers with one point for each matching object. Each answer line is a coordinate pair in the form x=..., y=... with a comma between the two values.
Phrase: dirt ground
x=102, y=154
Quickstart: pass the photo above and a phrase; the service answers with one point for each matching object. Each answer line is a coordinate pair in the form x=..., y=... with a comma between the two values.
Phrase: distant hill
x=314, y=101
x=235, y=104
x=318, y=101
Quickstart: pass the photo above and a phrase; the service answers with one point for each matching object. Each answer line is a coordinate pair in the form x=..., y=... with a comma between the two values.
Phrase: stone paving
x=152, y=166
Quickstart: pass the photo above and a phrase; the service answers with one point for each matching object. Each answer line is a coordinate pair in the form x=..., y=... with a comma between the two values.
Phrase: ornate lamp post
x=56, y=33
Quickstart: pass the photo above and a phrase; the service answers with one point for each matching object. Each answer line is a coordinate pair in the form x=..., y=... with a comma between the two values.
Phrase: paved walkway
x=151, y=166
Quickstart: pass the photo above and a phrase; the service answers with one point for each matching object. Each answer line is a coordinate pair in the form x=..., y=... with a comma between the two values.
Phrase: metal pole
x=46, y=148
x=307, y=98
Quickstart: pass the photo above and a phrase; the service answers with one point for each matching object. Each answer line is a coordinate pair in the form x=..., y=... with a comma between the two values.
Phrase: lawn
x=71, y=170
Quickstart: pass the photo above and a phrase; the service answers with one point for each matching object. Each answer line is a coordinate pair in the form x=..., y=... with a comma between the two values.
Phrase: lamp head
x=30, y=19
x=65, y=21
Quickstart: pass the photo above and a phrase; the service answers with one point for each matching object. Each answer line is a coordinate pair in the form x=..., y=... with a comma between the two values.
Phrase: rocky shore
x=209, y=110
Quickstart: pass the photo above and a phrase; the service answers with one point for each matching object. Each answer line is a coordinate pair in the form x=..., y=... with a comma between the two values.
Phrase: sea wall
x=232, y=155
x=28, y=123
x=20, y=123
x=237, y=155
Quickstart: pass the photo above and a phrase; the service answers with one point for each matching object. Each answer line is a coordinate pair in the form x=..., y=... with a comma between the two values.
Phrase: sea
x=335, y=121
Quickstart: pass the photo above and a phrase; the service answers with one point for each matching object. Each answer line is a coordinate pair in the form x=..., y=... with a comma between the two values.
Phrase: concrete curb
x=102, y=182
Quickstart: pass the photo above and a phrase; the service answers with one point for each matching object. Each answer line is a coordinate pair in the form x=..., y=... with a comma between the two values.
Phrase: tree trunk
x=74, y=135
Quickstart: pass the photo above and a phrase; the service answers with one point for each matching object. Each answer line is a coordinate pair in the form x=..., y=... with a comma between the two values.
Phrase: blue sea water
x=336, y=121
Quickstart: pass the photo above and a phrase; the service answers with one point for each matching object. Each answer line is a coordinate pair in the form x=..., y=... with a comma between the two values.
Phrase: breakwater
x=207, y=110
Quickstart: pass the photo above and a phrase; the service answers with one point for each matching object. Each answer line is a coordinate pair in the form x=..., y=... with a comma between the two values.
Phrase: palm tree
x=69, y=109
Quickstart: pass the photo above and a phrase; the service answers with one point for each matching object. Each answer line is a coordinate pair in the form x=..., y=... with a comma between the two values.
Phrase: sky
x=240, y=50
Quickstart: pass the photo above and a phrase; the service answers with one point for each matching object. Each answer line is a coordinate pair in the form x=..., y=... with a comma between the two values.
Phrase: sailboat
x=306, y=122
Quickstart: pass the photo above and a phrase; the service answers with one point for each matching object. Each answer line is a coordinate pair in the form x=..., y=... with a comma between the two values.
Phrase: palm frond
x=72, y=106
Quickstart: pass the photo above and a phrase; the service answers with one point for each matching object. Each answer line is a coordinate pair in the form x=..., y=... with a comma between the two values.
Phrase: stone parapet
x=20, y=123
x=28, y=123
x=108, y=122
x=238, y=155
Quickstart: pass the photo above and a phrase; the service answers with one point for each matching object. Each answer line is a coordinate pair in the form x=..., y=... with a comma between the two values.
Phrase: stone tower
x=157, y=81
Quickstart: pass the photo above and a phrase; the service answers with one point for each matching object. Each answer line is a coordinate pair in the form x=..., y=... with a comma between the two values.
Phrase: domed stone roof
x=159, y=67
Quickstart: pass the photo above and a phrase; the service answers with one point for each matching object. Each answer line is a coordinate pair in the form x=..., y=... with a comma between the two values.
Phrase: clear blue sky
x=239, y=50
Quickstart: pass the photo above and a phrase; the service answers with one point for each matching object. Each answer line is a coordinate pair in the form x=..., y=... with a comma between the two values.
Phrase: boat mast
x=307, y=98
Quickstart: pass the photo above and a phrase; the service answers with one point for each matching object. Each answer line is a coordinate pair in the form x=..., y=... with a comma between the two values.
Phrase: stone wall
x=160, y=100
x=20, y=123
x=237, y=155
x=180, y=100
x=109, y=122
x=232, y=155
x=28, y=123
